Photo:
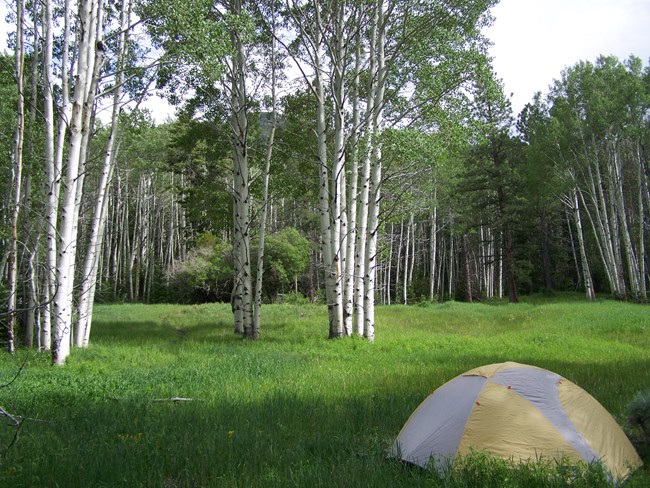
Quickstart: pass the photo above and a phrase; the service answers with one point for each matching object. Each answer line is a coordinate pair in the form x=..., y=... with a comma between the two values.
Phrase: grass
x=295, y=409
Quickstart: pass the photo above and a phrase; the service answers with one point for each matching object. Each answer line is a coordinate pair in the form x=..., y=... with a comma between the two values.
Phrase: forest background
x=391, y=170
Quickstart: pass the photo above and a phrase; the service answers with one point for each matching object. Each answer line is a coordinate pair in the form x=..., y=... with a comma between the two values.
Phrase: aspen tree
x=19, y=137
x=66, y=248
x=377, y=91
x=54, y=152
x=433, y=243
x=265, y=188
x=573, y=203
x=597, y=108
x=352, y=199
x=91, y=262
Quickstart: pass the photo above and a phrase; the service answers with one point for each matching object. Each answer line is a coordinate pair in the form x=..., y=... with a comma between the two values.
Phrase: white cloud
x=535, y=39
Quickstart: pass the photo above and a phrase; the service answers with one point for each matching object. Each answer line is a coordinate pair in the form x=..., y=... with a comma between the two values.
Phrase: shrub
x=286, y=257
x=293, y=298
x=205, y=275
x=638, y=424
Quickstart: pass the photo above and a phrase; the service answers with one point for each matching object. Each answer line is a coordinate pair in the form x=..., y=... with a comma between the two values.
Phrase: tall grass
x=294, y=409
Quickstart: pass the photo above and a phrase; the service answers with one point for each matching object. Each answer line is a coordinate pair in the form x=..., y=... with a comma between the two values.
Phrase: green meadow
x=294, y=408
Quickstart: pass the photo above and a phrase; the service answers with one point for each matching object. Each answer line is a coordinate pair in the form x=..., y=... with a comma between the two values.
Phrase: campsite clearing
x=295, y=409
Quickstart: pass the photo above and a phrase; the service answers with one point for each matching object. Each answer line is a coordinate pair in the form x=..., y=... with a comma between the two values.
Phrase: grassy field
x=295, y=409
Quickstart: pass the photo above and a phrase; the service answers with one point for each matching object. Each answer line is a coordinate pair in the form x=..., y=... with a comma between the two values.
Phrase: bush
x=293, y=298
x=286, y=257
x=638, y=424
x=205, y=275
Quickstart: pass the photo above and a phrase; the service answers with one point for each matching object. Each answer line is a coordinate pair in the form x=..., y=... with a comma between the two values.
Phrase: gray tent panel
x=539, y=387
x=437, y=425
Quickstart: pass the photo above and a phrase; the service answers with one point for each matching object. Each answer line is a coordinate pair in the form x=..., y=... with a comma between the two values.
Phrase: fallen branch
x=13, y=419
x=174, y=399
x=15, y=437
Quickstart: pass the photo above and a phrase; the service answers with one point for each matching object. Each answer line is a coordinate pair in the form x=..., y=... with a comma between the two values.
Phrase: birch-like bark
x=468, y=274
x=352, y=201
x=398, y=261
x=407, y=249
x=452, y=251
x=91, y=262
x=573, y=203
x=574, y=252
x=642, y=219
x=53, y=156
x=135, y=241
x=377, y=92
x=337, y=48
x=265, y=190
x=364, y=197
x=19, y=137
x=88, y=122
x=490, y=255
x=333, y=294
x=586, y=271
x=371, y=248
x=412, y=265
x=390, y=266
x=362, y=233
x=433, y=245
x=606, y=193
x=65, y=269
x=616, y=176
x=33, y=230
x=600, y=223
x=239, y=126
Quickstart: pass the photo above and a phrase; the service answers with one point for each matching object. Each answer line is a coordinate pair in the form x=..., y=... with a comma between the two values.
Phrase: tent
x=514, y=411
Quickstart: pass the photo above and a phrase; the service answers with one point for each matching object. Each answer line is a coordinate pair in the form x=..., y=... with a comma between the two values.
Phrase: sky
x=534, y=40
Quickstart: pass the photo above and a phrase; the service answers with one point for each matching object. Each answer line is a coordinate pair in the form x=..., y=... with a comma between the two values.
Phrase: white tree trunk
x=352, y=200
x=52, y=172
x=390, y=266
x=265, y=192
x=616, y=176
x=412, y=265
x=241, y=179
x=452, y=251
x=601, y=226
x=333, y=293
x=19, y=137
x=433, y=246
x=65, y=269
x=573, y=203
x=91, y=263
x=377, y=93
x=642, y=219
x=407, y=250
x=337, y=196
x=371, y=250
x=364, y=197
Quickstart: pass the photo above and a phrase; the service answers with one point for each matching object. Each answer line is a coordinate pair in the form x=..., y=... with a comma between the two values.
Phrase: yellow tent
x=514, y=411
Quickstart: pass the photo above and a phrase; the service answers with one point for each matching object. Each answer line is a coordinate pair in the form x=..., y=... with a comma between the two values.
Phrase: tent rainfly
x=514, y=411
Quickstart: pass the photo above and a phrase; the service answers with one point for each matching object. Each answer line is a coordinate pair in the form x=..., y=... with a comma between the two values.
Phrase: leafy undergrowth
x=295, y=409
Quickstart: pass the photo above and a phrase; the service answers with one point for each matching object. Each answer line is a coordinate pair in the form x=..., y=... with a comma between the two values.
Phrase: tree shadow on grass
x=281, y=438
x=148, y=332
x=219, y=331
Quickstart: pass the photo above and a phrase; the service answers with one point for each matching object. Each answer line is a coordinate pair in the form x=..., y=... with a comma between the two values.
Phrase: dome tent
x=514, y=411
